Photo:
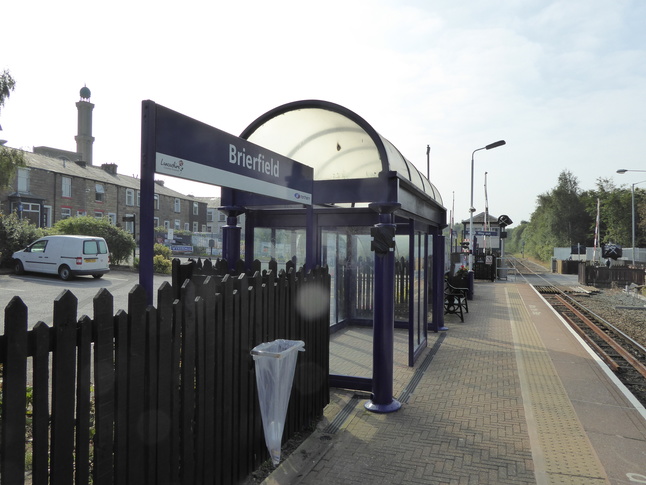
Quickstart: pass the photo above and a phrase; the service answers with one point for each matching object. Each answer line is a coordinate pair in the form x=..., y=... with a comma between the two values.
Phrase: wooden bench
x=455, y=300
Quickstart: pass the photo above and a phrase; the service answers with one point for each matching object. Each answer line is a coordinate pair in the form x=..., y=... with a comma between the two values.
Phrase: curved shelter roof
x=353, y=164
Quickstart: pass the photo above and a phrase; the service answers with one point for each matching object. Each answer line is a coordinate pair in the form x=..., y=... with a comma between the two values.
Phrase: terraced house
x=57, y=184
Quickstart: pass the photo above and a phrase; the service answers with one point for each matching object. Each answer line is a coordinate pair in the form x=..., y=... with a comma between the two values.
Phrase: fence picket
x=14, y=387
x=188, y=384
x=121, y=397
x=164, y=376
x=150, y=403
x=82, y=451
x=104, y=402
x=40, y=418
x=63, y=389
x=136, y=381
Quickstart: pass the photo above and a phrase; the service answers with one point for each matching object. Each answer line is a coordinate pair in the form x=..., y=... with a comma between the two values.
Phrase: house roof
x=480, y=218
x=91, y=172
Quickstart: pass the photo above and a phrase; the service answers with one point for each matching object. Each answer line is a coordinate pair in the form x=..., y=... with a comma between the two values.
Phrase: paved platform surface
x=510, y=396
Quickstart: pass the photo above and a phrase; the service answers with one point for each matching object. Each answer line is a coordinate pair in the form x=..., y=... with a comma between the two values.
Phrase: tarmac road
x=38, y=291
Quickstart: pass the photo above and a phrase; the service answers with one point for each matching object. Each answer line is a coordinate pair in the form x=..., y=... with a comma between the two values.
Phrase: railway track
x=623, y=355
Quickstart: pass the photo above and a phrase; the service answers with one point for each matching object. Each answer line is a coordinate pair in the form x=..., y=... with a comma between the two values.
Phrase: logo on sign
x=303, y=197
x=174, y=166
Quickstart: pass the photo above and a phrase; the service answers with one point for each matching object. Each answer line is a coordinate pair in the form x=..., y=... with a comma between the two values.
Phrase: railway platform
x=510, y=396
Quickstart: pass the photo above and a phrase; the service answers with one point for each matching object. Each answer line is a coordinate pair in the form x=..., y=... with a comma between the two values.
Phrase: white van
x=66, y=256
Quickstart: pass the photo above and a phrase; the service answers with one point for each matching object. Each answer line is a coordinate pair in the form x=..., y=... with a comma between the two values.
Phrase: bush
x=15, y=234
x=120, y=243
x=161, y=264
x=161, y=250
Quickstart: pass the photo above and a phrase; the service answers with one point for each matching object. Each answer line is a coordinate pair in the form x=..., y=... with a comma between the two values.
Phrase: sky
x=563, y=82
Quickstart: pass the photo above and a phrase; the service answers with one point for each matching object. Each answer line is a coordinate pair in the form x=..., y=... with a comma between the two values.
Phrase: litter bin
x=275, y=365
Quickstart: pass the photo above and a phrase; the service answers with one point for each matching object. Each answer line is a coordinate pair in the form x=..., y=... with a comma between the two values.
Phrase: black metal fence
x=156, y=395
x=603, y=277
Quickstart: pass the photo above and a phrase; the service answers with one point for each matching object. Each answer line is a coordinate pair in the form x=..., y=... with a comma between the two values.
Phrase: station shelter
x=374, y=220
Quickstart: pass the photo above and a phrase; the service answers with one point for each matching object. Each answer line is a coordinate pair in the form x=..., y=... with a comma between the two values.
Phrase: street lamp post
x=471, y=208
x=632, y=198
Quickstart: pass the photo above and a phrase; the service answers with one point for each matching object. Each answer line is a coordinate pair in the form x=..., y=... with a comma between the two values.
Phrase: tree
x=7, y=84
x=120, y=243
x=15, y=234
x=10, y=159
x=560, y=219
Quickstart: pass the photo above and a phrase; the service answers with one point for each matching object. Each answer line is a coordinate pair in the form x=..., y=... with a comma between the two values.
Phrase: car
x=64, y=255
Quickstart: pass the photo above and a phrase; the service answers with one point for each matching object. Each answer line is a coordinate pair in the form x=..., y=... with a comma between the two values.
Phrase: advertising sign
x=192, y=150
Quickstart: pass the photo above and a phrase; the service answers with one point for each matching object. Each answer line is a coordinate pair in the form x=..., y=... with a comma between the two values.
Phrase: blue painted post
x=231, y=234
x=383, y=244
x=147, y=187
x=437, y=276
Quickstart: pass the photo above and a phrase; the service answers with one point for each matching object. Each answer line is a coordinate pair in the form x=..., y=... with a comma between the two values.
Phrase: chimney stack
x=84, y=139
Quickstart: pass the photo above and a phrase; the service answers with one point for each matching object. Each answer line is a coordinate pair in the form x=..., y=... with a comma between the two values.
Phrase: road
x=39, y=291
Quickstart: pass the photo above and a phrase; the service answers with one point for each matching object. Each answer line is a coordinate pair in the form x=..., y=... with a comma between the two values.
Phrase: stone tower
x=84, y=139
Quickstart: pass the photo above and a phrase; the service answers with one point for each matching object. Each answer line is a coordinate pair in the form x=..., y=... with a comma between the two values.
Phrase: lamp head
x=622, y=170
x=495, y=144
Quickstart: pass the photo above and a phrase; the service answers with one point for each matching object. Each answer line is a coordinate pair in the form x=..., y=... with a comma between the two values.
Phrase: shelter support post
x=383, y=244
x=437, y=283
x=147, y=186
x=231, y=234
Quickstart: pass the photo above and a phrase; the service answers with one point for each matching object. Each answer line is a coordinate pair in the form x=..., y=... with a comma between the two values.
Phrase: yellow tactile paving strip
x=561, y=450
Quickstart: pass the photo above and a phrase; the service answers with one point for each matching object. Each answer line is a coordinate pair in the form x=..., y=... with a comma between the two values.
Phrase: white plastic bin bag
x=275, y=365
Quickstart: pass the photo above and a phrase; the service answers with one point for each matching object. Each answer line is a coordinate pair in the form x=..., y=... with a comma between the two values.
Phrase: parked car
x=66, y=256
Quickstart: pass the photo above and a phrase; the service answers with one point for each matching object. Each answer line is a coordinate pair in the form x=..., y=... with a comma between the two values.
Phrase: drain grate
x=419, y=372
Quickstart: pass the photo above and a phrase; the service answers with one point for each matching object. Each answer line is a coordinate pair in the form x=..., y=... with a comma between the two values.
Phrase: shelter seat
x=455, y=300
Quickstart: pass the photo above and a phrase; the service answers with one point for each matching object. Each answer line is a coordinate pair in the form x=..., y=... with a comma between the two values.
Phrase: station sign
x=486, y=233
x=192, y=150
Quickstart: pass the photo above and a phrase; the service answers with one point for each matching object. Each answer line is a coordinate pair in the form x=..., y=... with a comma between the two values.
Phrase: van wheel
x=65, y=273
x=97, y=276
x=18, y=268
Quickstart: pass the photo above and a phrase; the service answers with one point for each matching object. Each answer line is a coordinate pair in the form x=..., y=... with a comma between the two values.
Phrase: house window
x=130, y=197
x=99, y=194
x=166, y=225
x=156, y=198
x=156, y=221
x=223, y=217
x=210, y=215
x=138, y=198
x=81, y=213
x=195, y=227
x=66, y=212
x=66, y=187
x=196, y=208
x=177, y=225
x=112, y=217
x=178, y=205
x=203, y=227
x=23, y=180
x=130, y=225
x=98, y=214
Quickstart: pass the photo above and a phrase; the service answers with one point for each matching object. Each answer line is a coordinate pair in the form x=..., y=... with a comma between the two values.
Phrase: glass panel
x=329, y=241
x=342, y=277
x=280, y=244
x=420, y=276
x=362, y=265
x=402, y=278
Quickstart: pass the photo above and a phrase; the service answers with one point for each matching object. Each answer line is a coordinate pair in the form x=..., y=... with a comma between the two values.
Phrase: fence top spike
x=66, y=296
